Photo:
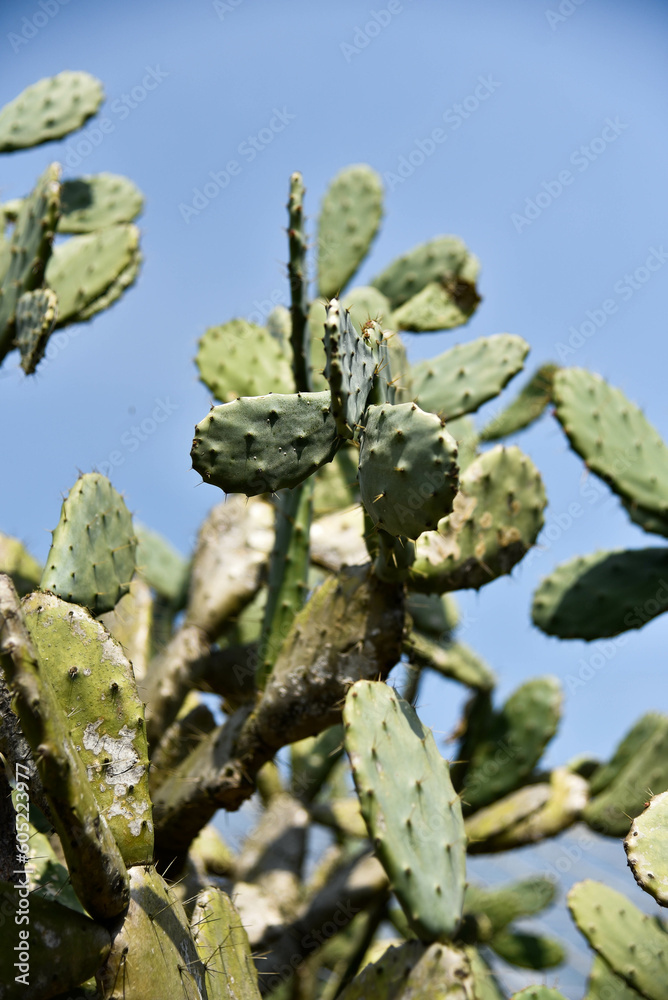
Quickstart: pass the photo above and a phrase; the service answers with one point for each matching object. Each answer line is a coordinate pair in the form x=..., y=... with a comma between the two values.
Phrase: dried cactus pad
x=92, y=555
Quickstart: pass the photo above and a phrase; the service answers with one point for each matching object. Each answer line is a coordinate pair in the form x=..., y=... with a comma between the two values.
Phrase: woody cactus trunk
x=142, y=692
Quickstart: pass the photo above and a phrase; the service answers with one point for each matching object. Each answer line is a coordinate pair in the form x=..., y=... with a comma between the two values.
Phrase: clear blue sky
x=547, y=84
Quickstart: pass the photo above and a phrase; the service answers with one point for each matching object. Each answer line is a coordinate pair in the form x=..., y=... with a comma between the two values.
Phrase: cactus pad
x=84, y=267
x=497, y=516
x=94, y=685
x=539, y=993
x=65, y=947
x=440, y=305
x=242, y=359
x=349, y=218
x=92, y=555
x=36, y=314
x=127, y=277
x=152, y=952
x=503, y=904
x=408, y=469
x=163, y=568
x=639, y=734
x=29, y=249
x=442, y=259
x=16, y=561
x=512, y=743
x=613, y=437
x=409, y=971
x=529, y=951
x=260, y=444
x=526, y=408
x=645, y=846
x=644, y=774
x=49, y=109
x=350, y=369
x=90, y=203
x=602, y=594
x=463, y=378
x=603, y=984
x=223, y=948
x=412, y=813
x=632, y=943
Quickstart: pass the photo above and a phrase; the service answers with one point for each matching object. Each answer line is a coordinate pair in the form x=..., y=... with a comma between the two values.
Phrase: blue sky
x=524, y=96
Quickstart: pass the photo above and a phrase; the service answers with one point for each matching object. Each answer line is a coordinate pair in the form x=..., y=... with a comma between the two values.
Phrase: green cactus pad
x=444, y=259
x=435, y=615
x=96, y=867
x=408, y=469
x=513, y=741
x=633, y=944
x=350, y=369
x=645, y=846
x=242, y=359
x=287, y=583
x=312, y=761
x=163, y=568
x=412, y=813
x=49, y=109
x=261, y=444
x=92, y=555
x=485, y=984
x=96, y=201
x=95, y=687
x=223, y=948
x=603, y=984
x=454, y=660
x=503, y=904
x=463, y=378
x=410, y=971
x=63, y=947
x=526, y=408
x=614, y=438
x=349, y=218
x=640, y=733
x=602, y=594
x=127, y=277
x=132, y=622
x=29, y=250
x=84, y=267
x=36, y=314
x=646, y=519
x=366, y=303
x=49, y=878
x=464, y=432
x=440, y=305
x=152, y=953
x=529, y=951
x=16, y=561
x=497, y=516
x=645, y=774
